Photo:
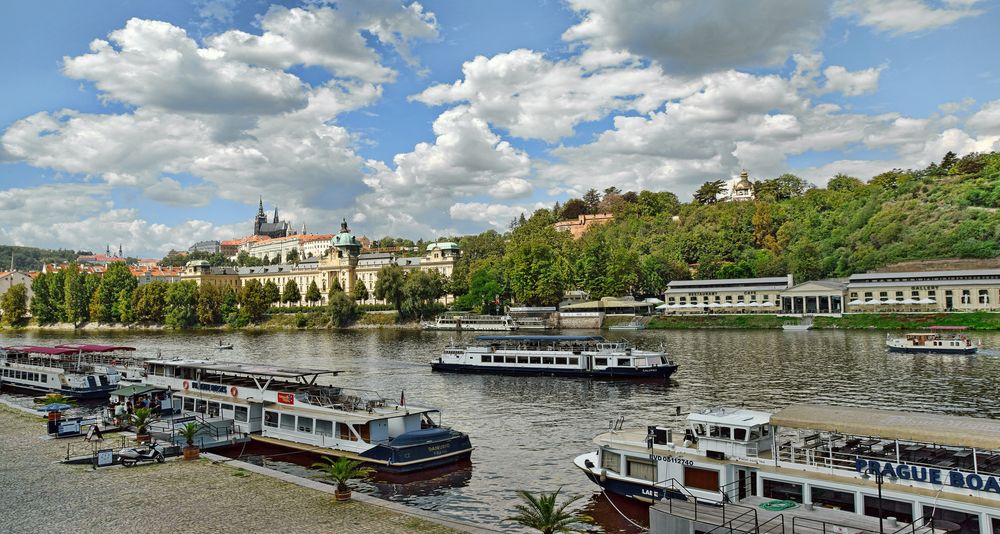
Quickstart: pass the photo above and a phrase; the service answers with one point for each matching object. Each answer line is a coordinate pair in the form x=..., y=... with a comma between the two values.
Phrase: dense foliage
x=32, y=259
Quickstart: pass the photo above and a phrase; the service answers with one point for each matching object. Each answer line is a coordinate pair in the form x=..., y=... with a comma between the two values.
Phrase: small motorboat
x=223, y=346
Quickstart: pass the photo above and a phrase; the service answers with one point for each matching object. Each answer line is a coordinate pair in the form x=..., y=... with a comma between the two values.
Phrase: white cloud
x=331, y=38
x=701, y=35
x=905, y=16
x=496, y=215
x=987, y=119
x=851, y=83
x=535, y=98
x=153, y=63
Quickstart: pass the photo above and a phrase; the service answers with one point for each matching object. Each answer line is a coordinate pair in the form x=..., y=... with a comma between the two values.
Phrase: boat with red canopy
x=60, y=370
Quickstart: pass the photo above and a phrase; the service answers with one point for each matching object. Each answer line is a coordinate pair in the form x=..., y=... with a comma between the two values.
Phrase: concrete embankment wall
x=581, y=320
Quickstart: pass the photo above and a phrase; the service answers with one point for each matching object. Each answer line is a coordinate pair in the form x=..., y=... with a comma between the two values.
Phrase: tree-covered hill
x=948, y=210
x=32, y=259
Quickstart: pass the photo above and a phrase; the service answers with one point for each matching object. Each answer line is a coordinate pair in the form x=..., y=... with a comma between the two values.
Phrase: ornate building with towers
x=275, y=228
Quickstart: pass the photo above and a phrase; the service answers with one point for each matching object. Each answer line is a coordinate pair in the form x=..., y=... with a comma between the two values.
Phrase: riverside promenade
x=39, y=494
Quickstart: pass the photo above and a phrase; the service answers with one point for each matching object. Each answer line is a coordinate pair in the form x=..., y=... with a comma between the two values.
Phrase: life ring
x=185, y=385
x=234, y=392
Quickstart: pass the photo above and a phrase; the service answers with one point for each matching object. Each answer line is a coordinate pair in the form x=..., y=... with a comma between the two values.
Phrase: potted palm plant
x=188, y=432
x=141, y=420
x=343, y=470
x=545, y=515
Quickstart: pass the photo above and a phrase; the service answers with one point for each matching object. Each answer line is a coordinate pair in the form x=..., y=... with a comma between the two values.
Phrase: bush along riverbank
x=683, y=322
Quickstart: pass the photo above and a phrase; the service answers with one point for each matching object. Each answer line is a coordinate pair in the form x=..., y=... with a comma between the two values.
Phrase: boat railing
x=808, y=524
x=822, y=456
x=920, y=525
x=731, y=512
x=775, y=524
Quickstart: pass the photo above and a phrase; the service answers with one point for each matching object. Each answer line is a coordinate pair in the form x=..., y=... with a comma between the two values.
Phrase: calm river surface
x=527, y=430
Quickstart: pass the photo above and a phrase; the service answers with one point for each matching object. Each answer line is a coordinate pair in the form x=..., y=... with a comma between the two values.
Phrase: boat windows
x=213, y=409
x=227, y=407
x=644, y=470
x=241, y=414
x=623, y=362
x=199, y=406
x=612, y=461
x=829, y=498
x=574, y=361
x=901, y=510
x=271, y=419
x=740, y=434
x=704, y=479
x=45, y=379
x=775, y=489
x=601, y=362
x=510, y=359
x=561, y=361
x=547, y=360
x=487, y=359
x=536, y=359
x=306, y=425
x=324, y=428
x=968, y=522
x=522, y=359
x=189, y=404
x=287, y=422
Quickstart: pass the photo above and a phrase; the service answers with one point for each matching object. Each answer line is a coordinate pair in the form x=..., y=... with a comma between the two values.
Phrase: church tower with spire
x=275, y=228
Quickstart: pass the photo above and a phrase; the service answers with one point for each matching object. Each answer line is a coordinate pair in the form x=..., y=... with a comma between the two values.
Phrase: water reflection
x=527, y=430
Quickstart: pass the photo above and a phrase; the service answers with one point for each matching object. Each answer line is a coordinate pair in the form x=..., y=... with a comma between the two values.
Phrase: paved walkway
x=38, y=494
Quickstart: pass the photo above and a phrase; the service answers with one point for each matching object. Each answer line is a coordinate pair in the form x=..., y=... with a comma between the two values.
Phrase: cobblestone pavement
x=38, y=494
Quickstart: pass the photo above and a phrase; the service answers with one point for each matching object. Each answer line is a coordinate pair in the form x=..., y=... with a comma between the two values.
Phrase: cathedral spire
x=275, y=215
x=260, y=208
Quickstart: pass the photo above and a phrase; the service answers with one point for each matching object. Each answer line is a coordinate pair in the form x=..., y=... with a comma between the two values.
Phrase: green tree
x=708, y=267
x=254, y=301
x=271, y=292
x=77, y=300
x=389, y=285
x=343, y=309
x=44, y=307
x=312, y=293
x=572, y=209
x=591, y=199
x=947, y=162
x=360, y=291
x=230, y=304
x=709, y=192
x=486, y=289
x=421, y=289
x=181, y=304
x=117, y=278
x=843, y=182
x=291, y=293
x=654, y=203
x=209, y=304
x=124, y=306
x=149, y=302
x=537, y=269
x=544, y=514
x=292, y=256
x=14, y=304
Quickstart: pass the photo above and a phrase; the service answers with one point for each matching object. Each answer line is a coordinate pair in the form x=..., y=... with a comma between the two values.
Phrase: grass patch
x=378, y=319
x=903, y=321
x=680, y=322
x=312, y=319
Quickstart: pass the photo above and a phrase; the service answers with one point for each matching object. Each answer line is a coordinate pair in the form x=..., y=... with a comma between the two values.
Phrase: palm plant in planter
x=343, y=470
x=141, y=419
x=188, y=432
x=544, y=514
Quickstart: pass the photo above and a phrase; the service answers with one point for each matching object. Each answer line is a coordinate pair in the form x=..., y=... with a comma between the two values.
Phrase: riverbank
x=278, y=321
x=42, y=495
x=856, y=321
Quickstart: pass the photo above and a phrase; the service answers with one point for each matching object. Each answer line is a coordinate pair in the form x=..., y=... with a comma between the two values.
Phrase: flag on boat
x=402, y=397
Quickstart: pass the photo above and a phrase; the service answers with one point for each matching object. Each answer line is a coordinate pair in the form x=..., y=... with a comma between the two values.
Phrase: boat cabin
x=727, y=432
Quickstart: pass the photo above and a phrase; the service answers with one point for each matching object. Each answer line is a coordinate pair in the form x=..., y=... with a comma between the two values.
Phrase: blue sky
x=157, y=124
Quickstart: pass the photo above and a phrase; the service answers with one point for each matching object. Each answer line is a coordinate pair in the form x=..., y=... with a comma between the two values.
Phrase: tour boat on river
x=56, y=370
x=813, y=468
x=131, y=368
x=287, y=406
x=475, y=323
x=934, y=342
x=586, y=356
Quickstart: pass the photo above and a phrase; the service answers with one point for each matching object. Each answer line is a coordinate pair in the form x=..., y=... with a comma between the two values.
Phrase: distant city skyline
x=160, y=124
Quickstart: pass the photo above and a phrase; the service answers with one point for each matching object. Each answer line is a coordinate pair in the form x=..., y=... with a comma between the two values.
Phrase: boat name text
x=215, y=388
x=931, y=475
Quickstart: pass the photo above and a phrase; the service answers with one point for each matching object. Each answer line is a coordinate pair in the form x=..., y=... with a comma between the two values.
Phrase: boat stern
x=422, y=449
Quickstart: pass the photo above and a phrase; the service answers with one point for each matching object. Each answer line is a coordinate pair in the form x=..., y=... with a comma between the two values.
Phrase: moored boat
x=56, y=370
x=845, y=467
x=288, y=406
x=131, y=368
x=937, y=341
x=581, y=356
x=475, y=323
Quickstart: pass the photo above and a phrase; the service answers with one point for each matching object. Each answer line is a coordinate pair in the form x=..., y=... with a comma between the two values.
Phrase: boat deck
x=748, y=516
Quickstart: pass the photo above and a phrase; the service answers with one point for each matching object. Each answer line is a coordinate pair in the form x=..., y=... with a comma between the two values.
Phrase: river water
x=528, y=430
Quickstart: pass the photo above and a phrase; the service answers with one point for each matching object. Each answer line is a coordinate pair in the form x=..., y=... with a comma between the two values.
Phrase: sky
x=158, y=124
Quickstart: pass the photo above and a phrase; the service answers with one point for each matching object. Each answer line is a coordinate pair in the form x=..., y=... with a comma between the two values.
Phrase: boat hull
x=933, y=350
x=450, y=447
x=71, y=393
x=632, y=490
x=660, y=371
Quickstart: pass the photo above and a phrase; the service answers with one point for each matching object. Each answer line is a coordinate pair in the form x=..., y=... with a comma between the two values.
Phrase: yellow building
x=927, y=291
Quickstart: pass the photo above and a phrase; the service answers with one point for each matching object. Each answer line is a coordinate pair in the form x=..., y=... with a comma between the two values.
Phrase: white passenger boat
x=287, y=406
x=635, y=324
x=586, y=356
x=937, y=341
x=131, y=368
x=475, y=323
x=830, y=469
x=55, y=370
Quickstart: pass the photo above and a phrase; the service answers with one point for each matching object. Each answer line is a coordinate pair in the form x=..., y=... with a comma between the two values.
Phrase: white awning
x=909, y=301
x=856, y=302
x=664, y=306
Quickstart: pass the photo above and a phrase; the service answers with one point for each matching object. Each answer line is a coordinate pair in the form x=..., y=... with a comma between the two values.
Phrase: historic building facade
x=742, y=190
x=275, y=228
x=582, y=223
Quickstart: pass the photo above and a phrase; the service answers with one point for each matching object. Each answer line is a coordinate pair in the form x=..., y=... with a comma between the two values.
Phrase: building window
x=854, y=295
x=883, y=296
x=786, y=491
x=966, y=297
x=903, y=511
x=984, y=296
x=828, y=498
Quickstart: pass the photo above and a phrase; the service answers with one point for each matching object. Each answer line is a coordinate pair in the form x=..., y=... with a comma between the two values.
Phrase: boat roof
x=255, y=369
x=540, y=338
x=52, y=351
x=731, y=416
x=94, y=348
x=960, y=431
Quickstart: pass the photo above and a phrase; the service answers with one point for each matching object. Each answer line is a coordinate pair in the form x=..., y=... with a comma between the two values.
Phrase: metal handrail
x=927, y=522
x=847, y=461
x=823, y=526
x=779, y=521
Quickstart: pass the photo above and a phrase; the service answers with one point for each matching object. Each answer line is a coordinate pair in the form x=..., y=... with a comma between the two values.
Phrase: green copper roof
x=444, y=245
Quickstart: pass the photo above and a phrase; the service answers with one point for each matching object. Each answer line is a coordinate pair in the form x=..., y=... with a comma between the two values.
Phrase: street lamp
x=879, y=478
